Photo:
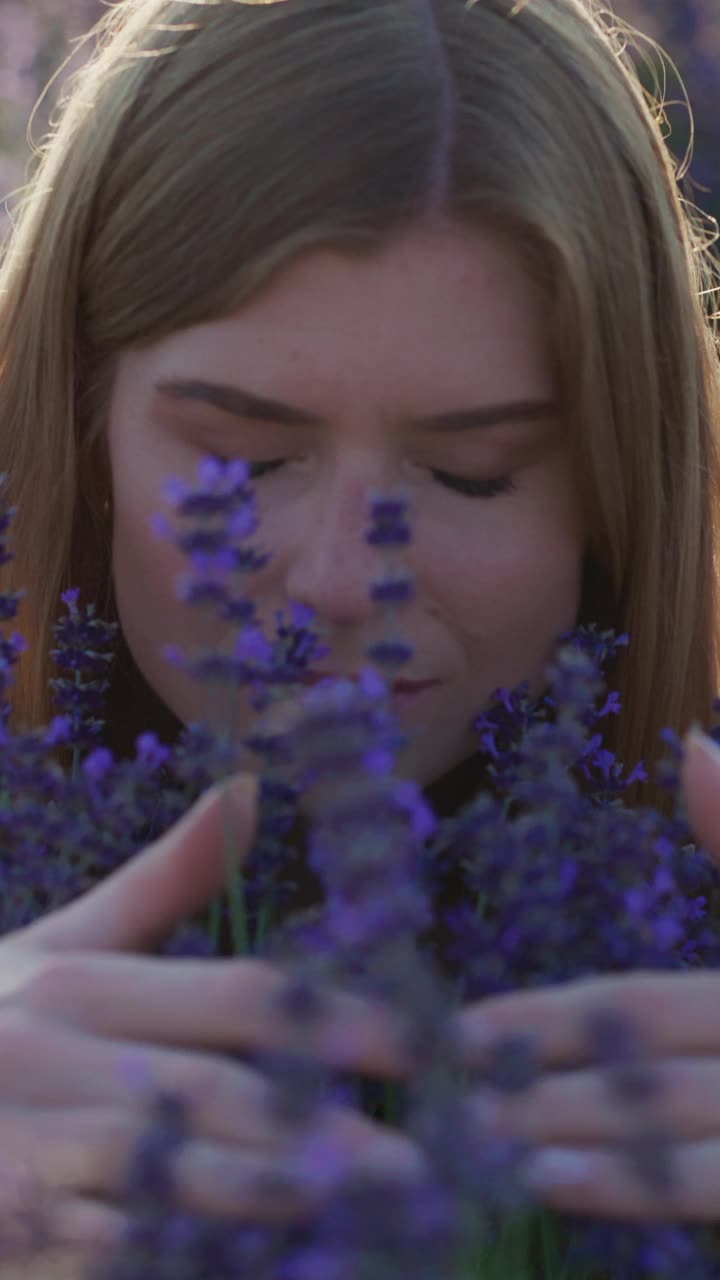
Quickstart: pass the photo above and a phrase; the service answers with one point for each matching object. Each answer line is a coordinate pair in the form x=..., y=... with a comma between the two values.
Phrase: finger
x=58, y=1069
x=34, y=1216
x=229, y=1102
x=701, y=784
x=603, y=1183
x=672, y=1013
x=234, y=1007
x=577, y=1106
x=77, y=1222
x=55, y=1154
x=245, y=1185
x=171, y=880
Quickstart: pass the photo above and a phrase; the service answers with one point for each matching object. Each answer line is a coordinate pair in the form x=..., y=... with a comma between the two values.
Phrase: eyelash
x=470, y=488
x=463, y=485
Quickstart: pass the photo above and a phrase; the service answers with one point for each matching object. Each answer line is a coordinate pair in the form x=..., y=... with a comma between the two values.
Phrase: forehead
x=432, y=312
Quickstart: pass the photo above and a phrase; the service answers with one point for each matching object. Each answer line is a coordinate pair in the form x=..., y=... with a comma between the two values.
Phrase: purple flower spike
x=392, y=591
x=217, y=518
x=373, y=685
x=97, y=764
x=150, y=752
x=150, y=1180
x=389, y=528
x=85, y=651
x=390, y=653
x=545, y=874
x=59, y=732
x=252, y=643
x=227, y=475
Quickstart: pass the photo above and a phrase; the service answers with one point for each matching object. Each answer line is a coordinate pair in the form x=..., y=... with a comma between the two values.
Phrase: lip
x=413, y=686
x=398, y=686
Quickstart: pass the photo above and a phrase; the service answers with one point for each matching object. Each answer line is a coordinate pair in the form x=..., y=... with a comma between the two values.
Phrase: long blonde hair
x=206, y=142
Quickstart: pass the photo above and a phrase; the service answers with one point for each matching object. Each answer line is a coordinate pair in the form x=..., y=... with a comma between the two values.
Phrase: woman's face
x=383, y=372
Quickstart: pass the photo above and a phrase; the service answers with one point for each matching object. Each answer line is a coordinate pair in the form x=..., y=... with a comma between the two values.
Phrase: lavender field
x=37, y=37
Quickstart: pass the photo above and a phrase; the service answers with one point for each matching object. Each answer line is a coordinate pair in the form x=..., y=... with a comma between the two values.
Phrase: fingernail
x=556, y=1167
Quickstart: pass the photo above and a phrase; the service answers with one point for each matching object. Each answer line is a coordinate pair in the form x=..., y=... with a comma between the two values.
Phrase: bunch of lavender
x=560, y=879
x=216, y=521
x=340, y=758
x=385, y=862
x=367, y=826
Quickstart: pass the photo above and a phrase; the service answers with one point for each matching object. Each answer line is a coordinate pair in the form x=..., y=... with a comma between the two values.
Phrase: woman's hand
x=571, y=1111
x=83, y=1013
x=80, y=1004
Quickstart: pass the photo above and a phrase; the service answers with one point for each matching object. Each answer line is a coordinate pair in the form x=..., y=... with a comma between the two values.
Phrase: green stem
x=63, y=850
x=214, y=921
x=233, y=880
x=264, y=922
x=390, y=1101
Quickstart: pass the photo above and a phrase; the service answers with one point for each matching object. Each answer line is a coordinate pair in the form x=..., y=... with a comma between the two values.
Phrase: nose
x=331, y=565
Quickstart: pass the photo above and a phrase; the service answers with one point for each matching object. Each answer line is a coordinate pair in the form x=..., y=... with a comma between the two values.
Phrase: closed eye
x=465, y=485
x=259, y=469
x=480, y=488
x=256, y=470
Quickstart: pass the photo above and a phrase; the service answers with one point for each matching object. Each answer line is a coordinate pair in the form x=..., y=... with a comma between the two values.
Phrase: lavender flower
x=221, y=517
x=498, y=896
x=84, y=649
x=389, y=529
x=10, y=647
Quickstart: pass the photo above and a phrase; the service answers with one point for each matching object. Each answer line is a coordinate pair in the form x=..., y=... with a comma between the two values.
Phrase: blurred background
x=38, y=36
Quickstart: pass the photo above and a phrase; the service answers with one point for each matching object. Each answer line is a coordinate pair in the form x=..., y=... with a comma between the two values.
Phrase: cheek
x=513, y=586
x=145, y=568
x=141, y=463
x=140, y=564
x=533, y=581
x=145, y=573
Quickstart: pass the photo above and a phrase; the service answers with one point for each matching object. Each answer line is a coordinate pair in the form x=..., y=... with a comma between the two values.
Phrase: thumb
x=701, y=784
x=176, y=876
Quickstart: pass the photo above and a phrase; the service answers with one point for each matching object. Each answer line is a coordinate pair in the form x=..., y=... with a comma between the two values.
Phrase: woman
x=358, y=244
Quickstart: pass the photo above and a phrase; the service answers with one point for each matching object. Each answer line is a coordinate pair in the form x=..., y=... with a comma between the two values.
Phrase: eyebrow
x=247, y=404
